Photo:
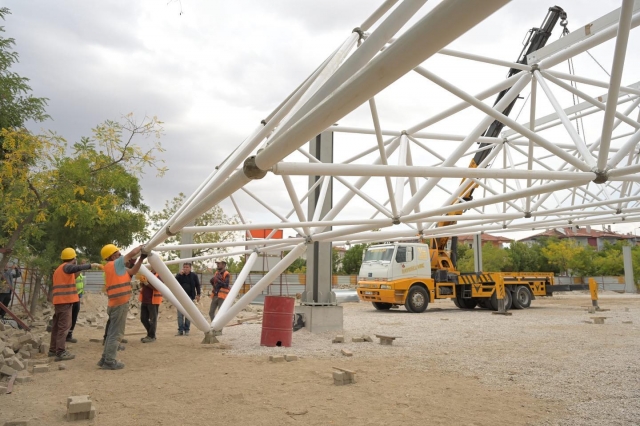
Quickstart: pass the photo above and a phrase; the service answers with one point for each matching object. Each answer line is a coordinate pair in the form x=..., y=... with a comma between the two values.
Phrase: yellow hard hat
x=108, y=250
x=68, y=254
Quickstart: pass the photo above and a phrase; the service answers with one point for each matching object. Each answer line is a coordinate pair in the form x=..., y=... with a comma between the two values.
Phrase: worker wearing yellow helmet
x=64, y=296
x=118, y=285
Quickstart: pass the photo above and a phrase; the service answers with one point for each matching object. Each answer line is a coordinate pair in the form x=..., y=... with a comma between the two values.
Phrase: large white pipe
x=221, y=320
x=166, y=293
x=237, y=285
x=328, y=169
x=441, y=26
x=170, y=281
x=255, y=242
x=619, y=54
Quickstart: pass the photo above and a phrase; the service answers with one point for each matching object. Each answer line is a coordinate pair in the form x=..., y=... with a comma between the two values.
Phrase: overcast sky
x=211, y=70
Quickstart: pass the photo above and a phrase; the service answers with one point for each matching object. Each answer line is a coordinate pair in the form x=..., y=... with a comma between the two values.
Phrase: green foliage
x=215, y=216
x=17, y=105
x=336, y=262
x=353, y=259
x=299, y=266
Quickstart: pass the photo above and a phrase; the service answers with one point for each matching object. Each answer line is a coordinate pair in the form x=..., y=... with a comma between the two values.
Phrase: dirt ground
x=541, y=366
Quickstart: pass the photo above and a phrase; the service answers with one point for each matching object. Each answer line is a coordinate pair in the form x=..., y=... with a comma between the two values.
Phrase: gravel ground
x=550, y=351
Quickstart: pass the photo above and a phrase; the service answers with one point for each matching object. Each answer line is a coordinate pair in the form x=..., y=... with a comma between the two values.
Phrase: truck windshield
x=378, y=254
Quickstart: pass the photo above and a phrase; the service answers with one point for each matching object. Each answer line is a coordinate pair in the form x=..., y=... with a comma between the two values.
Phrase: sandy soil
x=541, y=366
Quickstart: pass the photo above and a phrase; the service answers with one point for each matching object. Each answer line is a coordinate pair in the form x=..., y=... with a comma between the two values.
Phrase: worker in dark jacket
x=220, y=283
x=191, y=285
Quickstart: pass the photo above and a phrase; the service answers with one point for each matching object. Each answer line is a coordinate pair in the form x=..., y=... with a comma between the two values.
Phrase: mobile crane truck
x=414, y=274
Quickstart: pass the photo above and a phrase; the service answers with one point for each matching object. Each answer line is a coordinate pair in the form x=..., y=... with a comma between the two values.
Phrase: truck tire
x=521, y=297
x=382, y=306
x=484, y=303
x=507, y=301
x=465, y=303
x=417, y=299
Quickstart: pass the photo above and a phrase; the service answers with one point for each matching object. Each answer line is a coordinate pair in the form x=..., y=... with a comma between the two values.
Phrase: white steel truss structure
x=544, y=171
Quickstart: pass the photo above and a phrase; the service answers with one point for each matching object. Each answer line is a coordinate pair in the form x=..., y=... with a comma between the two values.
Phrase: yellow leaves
x=41, y=217
x=78, y=190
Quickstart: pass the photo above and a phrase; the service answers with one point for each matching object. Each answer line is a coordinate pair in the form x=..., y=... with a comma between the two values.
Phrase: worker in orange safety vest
x=118, y=285
x=65, y=295
x=150, y=300
x=220, y=283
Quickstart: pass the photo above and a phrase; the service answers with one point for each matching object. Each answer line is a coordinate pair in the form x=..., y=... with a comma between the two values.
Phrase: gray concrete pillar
x=630, y=285
x=477, y=253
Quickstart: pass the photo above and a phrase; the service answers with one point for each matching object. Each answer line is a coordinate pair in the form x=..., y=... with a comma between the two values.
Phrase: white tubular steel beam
x=461, y=149
x=505, y=120
x=485, y=59
x=170, y=281
x=441, y=26
x=616, y=78
x=383, y=154
x=593, y=101
x=254, y=242
x=585, y=45
x=328, y=169
x=365, y=52
x=221, y=320
x=166, y=293
x=628, y=146
x=237, y=285
x=496, y=199
x=577, y=140
x=294, y=200
x=416, y=135
x=402, y=162
x=633, y=89
x=377, y=14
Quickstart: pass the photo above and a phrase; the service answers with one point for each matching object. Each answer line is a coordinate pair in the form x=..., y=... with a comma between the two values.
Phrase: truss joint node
x=308, y=239
x=527, y=215
x=359, y=31
x=404, y=133
x=167, y=231
x=263, y=122
x=396, y=220
x=251, y=170
x=619, y=211
x=601, y=176
x=535, y=67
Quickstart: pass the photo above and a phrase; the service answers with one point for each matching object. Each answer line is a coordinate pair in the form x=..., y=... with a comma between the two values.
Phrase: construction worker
x=64, y=296
x=76, y=307
x=191, y=285
x=220, y=283
x=150, y=300
x=118, y=285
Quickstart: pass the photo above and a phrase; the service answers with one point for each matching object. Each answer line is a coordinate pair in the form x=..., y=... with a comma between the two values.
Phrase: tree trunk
x=34, y=295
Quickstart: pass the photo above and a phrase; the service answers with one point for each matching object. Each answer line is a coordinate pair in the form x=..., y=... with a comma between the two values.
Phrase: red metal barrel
x=277, y=321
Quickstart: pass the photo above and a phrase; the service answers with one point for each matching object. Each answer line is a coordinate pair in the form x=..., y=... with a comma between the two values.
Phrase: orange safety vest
x=156, y=298
x=64, y=287
x=118, y=286
x=223, y=292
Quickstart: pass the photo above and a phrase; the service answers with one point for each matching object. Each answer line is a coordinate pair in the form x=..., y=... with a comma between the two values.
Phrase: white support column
x=237, y=285
x=221, y=320
x=166, y=293
x=170, y=281
x=616, y=77
x=383, y=155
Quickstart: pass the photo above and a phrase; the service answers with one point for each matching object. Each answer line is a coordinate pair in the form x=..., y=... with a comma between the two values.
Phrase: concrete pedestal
x=319, y=319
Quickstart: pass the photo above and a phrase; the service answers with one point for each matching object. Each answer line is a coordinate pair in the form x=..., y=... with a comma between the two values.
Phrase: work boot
x=148, y=339
x=64, y=356
x=179, y=333
x=101, y=362
x=121, y=348
x=70, y=339
x=186, y=333
x=113, y=365
x=124, y=341
x=51, y=353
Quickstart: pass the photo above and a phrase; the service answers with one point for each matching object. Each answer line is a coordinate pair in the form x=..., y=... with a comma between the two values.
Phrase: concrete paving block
x=627, y=322
x=44, y=368
x=367, y=338
x=8, y=352
x=276, y=358
x=16, y=363
x=6, y=370
x=78, y=404
x=357, y=339
x=3, y=388
x=23, y=379
x=25, y=354
x=346, y=352
x=95, y=340
x=338, y=378
x=290, y=358
x=62, y=366
x=338, y=339
x=17, y=423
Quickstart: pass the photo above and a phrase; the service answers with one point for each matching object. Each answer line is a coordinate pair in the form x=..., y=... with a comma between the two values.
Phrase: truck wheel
x=465, y=303
x=507, y=300
x=521, y=297
x=485, y=303
x=417, y=299
x=382, y=306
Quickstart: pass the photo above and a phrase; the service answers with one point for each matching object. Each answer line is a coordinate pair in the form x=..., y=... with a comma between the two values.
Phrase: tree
x=336, y=262
x=17, y=105
x=563, y=254
x=608, y=261
x=523, y=258
x=352, y=259
x=93, y=189
x=298, y=266
x=494, y=259
x=215, y=216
